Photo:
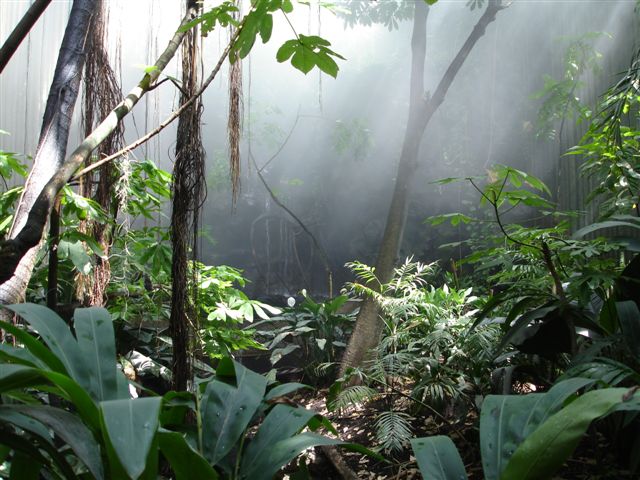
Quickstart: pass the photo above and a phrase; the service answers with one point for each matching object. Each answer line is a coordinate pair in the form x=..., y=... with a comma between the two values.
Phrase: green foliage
x=106, y=434
x=610, y=147
x=389, y=13
x=561, y=99
x=10, y=166
x=352, y=137
x=527, y=436
x=224, y=309
x=305, y=52
x=315, y=330
x=426, y=346
x=438, y=458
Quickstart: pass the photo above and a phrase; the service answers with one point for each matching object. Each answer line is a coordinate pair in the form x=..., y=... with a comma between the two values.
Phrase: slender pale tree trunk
x=368, y=328
x=54, y=134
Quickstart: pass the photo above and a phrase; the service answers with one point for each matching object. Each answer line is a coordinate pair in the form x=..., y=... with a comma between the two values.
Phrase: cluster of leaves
x=224, y=310
x=305, y=52
x=389, y=13
x=10, y=166
x=426, y=346
x=98, y=431
x=316, y=331
x=528, y=436
x=611, y=147
x=560, y=97
x=354, y=137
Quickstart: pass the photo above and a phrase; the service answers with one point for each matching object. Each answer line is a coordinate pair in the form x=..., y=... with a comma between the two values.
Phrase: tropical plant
x=316, y=331
x=107, y=434
x=527, y=436
x=426, y=349
x=224, y=309
x=610, y=147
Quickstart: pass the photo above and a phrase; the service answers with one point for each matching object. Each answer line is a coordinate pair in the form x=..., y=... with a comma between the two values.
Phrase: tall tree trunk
x=54, y=135
x=368, y=328
x=101, y=92
x=188, y=189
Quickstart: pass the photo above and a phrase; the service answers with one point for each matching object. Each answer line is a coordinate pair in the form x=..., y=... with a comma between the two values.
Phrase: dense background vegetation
x=511, y=329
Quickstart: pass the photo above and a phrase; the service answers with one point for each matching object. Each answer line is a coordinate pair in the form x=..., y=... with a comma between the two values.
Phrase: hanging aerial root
x=101, y=91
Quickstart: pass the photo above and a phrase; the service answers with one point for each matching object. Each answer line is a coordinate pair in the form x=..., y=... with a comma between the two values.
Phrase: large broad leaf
x=33, y=346
x=506, y=420
x=33, y=440
x=131, y=426
x=94, y=331
x=18, y=376
x=546, y=449
x=629, y=318
x=227, y=409
x=617, y=221
x=58, y=337
x=185, y=462
x=282, y=452
x=438, y=458
x=20, y=355
x=67, y=427
x=282, y=422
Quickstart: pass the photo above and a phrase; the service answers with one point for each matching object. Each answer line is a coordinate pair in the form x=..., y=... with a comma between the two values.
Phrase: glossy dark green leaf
x=131, y=426
x=95, y=336
x=629, y=318
x=226, y=410
x=548, y=447
x=282, y=452
x=438, y=458
x=35, y=347
x=70, y=429
x=283, y=421
x=185, y=462
x=56, y=334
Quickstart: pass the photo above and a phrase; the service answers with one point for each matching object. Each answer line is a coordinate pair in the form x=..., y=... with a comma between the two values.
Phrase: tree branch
x=171, y=117
x=19, y=33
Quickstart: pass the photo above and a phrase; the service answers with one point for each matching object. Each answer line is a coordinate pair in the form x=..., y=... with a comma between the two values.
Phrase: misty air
x=286, y=239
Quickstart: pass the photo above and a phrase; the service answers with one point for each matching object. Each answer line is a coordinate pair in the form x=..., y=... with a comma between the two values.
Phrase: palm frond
x=352, y=396
x=393, y=430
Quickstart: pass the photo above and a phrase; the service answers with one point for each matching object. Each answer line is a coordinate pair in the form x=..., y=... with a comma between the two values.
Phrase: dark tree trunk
x=187, y=189
x=368, y=329
x=54, y=135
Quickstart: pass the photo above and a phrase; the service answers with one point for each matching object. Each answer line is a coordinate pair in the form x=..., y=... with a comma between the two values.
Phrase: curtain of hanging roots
x=188, y=195
x=101, y=92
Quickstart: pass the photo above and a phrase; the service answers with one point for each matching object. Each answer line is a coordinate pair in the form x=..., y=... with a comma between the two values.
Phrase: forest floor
x=594, y=458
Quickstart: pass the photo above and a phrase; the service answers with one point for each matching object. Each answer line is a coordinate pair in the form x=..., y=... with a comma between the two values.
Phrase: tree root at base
x=338, y=462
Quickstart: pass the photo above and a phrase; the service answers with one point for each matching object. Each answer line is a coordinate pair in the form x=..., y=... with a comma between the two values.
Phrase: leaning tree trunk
x=54, y=134
x=368, y=328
